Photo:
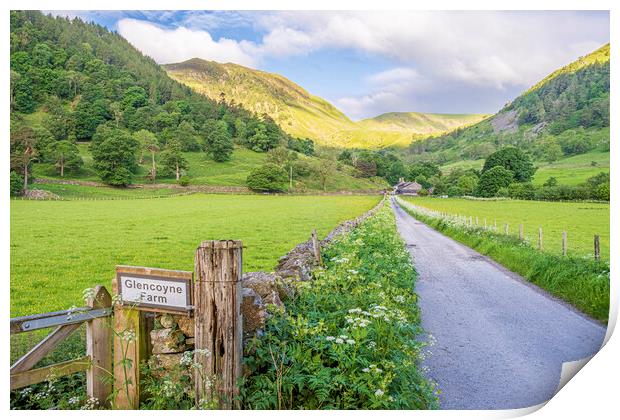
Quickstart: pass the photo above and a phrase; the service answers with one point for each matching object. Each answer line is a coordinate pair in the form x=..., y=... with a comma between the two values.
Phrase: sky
x=367, y=63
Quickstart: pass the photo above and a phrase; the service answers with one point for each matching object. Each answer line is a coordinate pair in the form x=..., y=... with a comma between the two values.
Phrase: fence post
x=521, y=231
x=316, y=248
x=495, y=225
x=130, y=348
x=597, y=248
x=470, y=221
x=218, y=323
x=99, y=348
x=564, y=245
x=476, y=220
x=505, y=228
x=540, y=239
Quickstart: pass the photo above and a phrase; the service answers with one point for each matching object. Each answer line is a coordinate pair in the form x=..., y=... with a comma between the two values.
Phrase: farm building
x=407, y=188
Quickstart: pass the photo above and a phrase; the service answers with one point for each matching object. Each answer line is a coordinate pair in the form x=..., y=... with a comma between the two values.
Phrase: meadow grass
x=581, y=220
x=59, y=248
x=584, y=283
x=204, y=171
x=571, y=170
x=78, y=192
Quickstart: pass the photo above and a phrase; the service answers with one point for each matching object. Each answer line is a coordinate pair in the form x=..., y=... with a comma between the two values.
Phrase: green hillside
x=302, y=114
x=565, y=114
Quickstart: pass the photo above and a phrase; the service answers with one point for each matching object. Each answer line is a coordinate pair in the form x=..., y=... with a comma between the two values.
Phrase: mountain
x=565, y=114
x=302, y=114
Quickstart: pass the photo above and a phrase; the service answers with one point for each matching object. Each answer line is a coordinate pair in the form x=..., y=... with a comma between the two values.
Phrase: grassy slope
x=204, y=171
x=59, y=248
x=571, y=170
x=581, y=221
x=303, y=114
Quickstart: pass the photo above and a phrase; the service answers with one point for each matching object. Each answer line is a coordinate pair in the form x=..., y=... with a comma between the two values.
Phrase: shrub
x=267, y=178
x=514, y=160
x=492, y=180
x=349, y=338
x=184, y=181
x=17, y=184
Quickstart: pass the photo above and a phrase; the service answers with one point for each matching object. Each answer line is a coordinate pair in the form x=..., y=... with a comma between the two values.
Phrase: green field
x=59, y=248
x=581, y=221
x=568, y=171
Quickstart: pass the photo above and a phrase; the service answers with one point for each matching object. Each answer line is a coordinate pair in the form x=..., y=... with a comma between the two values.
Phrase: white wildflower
x=350, y=341
x=330, y=338
x=339, y=341
x=379, y=392
x=366, y=370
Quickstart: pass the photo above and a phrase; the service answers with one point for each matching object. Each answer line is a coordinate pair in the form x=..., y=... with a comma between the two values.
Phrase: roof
x=408, y=186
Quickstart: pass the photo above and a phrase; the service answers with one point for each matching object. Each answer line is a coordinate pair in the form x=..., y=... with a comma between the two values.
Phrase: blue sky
x=368, y=63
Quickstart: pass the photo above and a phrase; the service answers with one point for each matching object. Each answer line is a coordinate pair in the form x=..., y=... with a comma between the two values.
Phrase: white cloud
x=179, y=44
x=505, y=51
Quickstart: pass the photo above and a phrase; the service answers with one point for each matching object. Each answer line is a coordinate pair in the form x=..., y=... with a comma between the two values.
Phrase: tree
x=259, y=141
x=172, y=160
x=148, y=141
x=114, y=155
x=492, y=180
x=513, y=160
x=64, y=154
x=218, y=140
x=550, y=182
x=23, y=151
x=284, y=158
x=187, y=137
x=345, y=157
x=17, y=184
x=427, y=169
x=268, y=178
x=397, y=171
x=324, y=168
x=467, y=184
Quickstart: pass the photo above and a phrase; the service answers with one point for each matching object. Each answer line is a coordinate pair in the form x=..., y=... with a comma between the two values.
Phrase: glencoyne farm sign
x=155, y=288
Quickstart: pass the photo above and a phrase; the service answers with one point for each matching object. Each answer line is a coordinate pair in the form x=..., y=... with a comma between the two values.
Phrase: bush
x=184, y=181
x=267, y=178
x=17, y=184
x=455, y=191
x=349, y=340
x=492, y=180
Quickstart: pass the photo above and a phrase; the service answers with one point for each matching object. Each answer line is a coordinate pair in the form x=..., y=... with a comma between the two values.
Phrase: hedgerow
x=349, y=340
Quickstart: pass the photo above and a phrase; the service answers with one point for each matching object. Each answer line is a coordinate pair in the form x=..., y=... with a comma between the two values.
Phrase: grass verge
x=584, y=283
x=348, y=340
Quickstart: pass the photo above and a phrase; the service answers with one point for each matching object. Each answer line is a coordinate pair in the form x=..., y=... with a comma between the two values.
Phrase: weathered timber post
x=485, y=223
x=470, y=221
x=521, y=231
x=505, y=228
x=540, y=239
x=597, y=248
x=218, y=323
x=99, y=348
x=316, y=248
x=130, y=348
x=476, y=220
x=494, y=225
x=564, y=245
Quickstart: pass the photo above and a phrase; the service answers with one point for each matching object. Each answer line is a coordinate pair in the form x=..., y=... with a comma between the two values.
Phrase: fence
x=468, y=221
x=98, y=361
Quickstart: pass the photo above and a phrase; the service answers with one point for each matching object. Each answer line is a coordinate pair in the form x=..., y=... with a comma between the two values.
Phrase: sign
x=155, y=288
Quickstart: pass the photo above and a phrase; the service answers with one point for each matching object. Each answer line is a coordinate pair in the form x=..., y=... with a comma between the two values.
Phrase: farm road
x=499, y=343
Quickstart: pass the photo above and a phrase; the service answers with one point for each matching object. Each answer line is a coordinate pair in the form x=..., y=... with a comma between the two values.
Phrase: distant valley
x=302, y=114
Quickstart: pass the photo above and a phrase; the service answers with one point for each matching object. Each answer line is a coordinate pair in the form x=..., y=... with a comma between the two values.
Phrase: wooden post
x=540, y=239
x=316, y=248
x=99, y=348
x=130, y=348
x=597, y=248
x=564, y=245
x=505, y=228
x=521, y=231
x=470, y=221
x=485, y=223
x=476, y=220
x=218, y=323
x=495, y=225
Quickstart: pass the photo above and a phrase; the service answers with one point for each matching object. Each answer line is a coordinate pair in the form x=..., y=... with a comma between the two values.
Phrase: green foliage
x=184, y=181
x=65, y=155
x=267, y=178
x=513, y=160
x=167, y=389
x=467, y=184
x=492, y=180
x=581, y=282
x=349, y=339
x=114, y=155
x=219, y=143
x=17, y=184
x=173, y=161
